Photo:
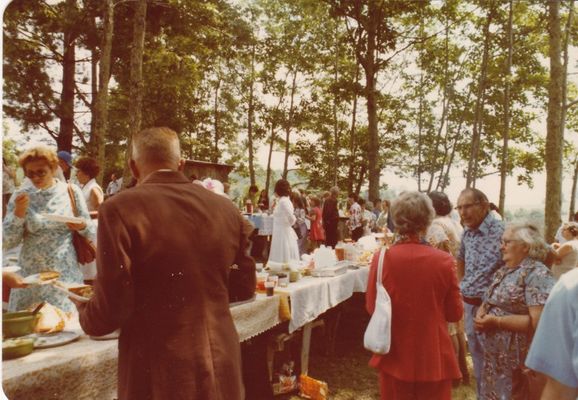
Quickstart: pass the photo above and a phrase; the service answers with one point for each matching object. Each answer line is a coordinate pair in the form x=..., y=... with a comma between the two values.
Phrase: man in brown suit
x=165, y=250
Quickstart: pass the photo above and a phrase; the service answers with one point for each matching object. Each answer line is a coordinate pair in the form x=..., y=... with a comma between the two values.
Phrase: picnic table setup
x=85, y=367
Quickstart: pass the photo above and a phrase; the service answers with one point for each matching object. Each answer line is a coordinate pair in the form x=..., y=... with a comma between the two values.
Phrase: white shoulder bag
x=377, y=338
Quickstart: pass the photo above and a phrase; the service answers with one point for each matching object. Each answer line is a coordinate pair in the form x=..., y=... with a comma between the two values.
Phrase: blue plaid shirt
x=480, y=251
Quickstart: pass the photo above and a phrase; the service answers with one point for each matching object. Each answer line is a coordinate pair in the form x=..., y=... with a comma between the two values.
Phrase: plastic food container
x=18, y=347
x=18, y=323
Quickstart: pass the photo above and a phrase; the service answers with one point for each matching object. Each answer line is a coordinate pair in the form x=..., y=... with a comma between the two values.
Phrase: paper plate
x=63, y=218
x=34, y=280
x=44, y=341
x=63, y=288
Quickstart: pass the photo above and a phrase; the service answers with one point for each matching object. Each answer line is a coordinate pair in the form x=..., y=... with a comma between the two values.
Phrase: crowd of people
x=171, y=255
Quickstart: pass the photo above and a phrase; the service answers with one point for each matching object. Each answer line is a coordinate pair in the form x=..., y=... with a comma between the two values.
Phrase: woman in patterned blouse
x=46, y=245
x=511, y=310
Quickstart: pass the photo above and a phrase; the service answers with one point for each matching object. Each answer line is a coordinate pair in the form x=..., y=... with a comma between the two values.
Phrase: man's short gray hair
x=531, y=236
x=412, y=212
x=159, y=145
x=334, y=190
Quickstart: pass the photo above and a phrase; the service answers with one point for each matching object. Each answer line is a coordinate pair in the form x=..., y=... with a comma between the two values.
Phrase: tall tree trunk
x=554, y=137
x=94, y=93
x=572, y=209
x=335, y=120
x=271, y=142
x=478, y=113
x=352, y=133
x=250, y=117
x=420, y=132
x=289, y=124
x=506, y=138
x=371, y=70
x=64, y=141
x=136, y=87
x=101, y=106
x=567, y=34
x=215, y=155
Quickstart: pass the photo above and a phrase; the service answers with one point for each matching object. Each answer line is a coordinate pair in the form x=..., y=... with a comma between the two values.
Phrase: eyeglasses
x=465, y=207
x=41, y=173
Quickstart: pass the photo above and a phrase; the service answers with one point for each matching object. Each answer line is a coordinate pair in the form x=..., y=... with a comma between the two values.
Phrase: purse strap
x=379, y=280
x=72, y=200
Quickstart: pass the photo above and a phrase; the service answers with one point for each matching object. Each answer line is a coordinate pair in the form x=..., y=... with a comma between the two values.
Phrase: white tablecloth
x=87, y=369
x=310, y=297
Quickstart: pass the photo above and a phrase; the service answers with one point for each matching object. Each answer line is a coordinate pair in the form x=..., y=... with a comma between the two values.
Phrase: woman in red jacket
x=423, y=287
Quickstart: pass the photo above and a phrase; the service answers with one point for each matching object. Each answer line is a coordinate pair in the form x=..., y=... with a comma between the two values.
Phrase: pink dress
x=316, y=232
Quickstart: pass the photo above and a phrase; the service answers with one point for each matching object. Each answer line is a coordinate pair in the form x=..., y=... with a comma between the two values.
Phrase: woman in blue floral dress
x=512, y=308
x=46, y=245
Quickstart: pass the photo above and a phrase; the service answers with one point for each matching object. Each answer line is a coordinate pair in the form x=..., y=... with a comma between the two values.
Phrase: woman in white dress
x=284, y=239
x=567, y=253
x=87, y=170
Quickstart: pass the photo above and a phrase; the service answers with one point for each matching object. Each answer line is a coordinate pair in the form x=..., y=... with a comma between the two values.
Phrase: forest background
x=375, y=96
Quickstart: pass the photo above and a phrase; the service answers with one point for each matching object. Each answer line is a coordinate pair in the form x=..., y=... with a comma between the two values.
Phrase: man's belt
x=473, y=301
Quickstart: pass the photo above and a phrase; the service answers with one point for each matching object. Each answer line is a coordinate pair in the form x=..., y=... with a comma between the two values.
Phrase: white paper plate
x=11, y=268
x=34, y=280
x=63, y=288
x=63, y=218
x=44, y=341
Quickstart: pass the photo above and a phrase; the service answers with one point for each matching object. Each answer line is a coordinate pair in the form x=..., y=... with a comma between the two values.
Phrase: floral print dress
x=511, y=293
x=46, y=245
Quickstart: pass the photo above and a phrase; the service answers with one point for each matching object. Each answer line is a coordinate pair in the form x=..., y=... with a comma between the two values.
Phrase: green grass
x=346, y=370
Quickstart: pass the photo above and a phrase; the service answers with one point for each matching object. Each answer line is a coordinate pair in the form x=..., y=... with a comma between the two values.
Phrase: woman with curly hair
x=423, y=286
x=46, y=245
x=511, y=310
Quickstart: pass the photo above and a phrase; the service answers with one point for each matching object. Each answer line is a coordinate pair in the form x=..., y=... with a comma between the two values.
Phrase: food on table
x=84, y=291
x=49, y=275
x=18, y=347
x=16, y=324
x=52, y=319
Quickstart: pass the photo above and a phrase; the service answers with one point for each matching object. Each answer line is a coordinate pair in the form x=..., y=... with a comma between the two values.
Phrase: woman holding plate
x=46, y=244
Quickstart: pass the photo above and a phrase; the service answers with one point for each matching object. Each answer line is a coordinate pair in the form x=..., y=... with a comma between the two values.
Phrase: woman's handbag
x=85, y=249
x=377, y=338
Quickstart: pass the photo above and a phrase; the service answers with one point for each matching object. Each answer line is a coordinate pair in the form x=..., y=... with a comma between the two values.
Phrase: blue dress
x=46, y=245
x=511, y=293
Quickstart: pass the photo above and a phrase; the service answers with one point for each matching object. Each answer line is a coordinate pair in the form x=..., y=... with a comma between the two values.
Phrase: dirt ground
x=345, y=369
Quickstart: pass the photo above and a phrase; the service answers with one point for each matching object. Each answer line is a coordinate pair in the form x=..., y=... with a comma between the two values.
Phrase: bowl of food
x=17, y=347
x=19, y=323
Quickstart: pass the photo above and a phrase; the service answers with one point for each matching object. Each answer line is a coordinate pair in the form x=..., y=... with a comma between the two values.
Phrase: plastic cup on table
x=270, y=288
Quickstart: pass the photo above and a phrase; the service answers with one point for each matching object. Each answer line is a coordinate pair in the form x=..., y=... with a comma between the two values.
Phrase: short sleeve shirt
x=554, y=349
x=480, y=252
x=355, y=216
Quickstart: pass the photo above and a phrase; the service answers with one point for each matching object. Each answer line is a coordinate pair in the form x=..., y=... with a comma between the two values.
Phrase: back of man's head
x=157, y=146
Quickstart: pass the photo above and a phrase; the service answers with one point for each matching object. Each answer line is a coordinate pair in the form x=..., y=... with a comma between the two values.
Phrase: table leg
x=306, y=344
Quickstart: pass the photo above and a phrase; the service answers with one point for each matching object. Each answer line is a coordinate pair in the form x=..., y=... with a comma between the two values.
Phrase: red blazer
x=423, y=287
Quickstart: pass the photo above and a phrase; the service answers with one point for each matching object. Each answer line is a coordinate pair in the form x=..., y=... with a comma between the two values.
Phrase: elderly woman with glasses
x=423, y=286
x=46, y=244
x=511, y=310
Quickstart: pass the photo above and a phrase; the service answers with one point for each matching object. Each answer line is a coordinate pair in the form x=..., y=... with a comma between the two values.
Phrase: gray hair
x=334, y=190
x=159, y=145
x=531, y=236
x=412, y=212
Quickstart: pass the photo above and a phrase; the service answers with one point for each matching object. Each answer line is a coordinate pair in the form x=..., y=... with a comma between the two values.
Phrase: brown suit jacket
x=165, y=248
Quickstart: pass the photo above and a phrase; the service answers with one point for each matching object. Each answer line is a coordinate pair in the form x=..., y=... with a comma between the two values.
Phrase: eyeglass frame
x=467, y=206
x=508, y=241
x=41, y=173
